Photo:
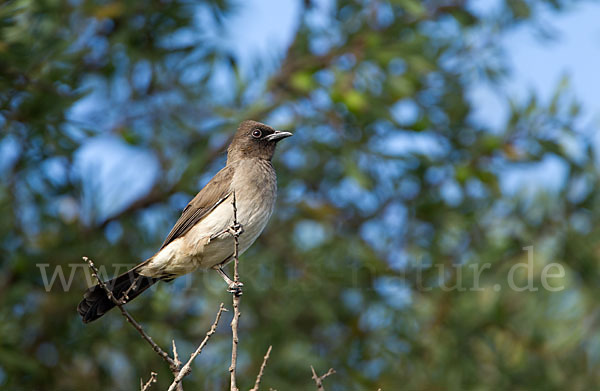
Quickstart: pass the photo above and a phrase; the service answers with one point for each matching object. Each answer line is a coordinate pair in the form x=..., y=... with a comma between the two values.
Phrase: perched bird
x=200, y=238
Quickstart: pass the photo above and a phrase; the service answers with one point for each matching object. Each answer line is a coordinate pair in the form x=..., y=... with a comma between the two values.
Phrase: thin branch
x=125, y=296
x=164, y=355
x=175, y=355
x=235, y=341
x=236, y=231
x=186, y=369
x=319, y=379
x=146, y=387
x=178, y=363
x=262, y=369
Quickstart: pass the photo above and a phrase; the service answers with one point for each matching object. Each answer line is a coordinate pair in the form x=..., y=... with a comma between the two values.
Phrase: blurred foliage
x=390, y=179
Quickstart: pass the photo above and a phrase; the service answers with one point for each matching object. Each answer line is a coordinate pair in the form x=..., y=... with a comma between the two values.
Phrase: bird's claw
x=235, y=288
x=236, y=229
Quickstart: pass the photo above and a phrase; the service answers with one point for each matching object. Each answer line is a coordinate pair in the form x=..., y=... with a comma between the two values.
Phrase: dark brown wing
x=211, y=195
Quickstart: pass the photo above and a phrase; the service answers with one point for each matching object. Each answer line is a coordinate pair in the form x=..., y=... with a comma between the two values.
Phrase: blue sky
x=539, y=64
x=575, y=52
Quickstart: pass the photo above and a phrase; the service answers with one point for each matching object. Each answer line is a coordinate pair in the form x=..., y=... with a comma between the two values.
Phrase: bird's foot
x=232, y=286
x=236, y=229
x=235, y=288
x=233, y=230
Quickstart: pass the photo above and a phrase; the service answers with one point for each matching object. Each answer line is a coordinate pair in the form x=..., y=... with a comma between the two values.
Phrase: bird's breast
x=255, y=187
x=208, y=243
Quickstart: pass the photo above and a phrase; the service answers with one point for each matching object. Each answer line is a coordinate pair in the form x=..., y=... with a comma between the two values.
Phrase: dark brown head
x=254, y=140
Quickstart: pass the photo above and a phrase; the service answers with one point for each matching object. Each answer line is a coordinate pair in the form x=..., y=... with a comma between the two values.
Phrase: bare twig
x=235, y=340
x=319, y=379
x=175, y=355
x=146, y=387
x=262, y=369
x=186, y=369
x=178, y=363
x=125, y=296
x=164, y=355
x=236, y=293
x=236, y=234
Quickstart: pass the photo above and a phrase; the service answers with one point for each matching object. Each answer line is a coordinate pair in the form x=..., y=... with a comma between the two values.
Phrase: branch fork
x=319, y=379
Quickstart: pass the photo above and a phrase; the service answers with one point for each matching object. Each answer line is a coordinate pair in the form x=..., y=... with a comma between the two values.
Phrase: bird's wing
x=213, y=194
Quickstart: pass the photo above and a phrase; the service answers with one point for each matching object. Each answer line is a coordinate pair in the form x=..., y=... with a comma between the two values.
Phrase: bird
x=201, y=237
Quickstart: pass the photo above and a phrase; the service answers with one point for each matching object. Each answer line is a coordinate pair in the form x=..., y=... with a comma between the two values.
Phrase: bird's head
x=254, y=140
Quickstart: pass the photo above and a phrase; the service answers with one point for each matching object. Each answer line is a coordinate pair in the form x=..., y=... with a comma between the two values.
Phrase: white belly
x=203, y=247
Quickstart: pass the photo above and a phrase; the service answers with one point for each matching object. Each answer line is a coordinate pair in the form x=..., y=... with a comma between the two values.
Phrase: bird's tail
x=125, y=287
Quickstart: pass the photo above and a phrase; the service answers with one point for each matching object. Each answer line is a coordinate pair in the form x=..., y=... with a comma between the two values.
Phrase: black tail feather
x=96, y=303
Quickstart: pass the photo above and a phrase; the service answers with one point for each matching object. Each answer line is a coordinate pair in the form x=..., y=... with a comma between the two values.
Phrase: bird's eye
x=257, y=133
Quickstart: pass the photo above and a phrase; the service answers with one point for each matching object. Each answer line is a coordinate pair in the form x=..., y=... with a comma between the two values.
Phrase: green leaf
x=302, y=81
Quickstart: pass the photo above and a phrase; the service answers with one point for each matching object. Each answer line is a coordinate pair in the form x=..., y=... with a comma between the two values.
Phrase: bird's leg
x=233, y=230
x=232, y=286
x=235, y=287
x=223, y=275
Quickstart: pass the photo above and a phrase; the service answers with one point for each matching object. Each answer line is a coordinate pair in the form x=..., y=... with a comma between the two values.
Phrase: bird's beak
x=278, y=135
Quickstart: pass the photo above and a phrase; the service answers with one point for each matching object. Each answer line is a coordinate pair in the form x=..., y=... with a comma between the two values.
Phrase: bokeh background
x=432, y=138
